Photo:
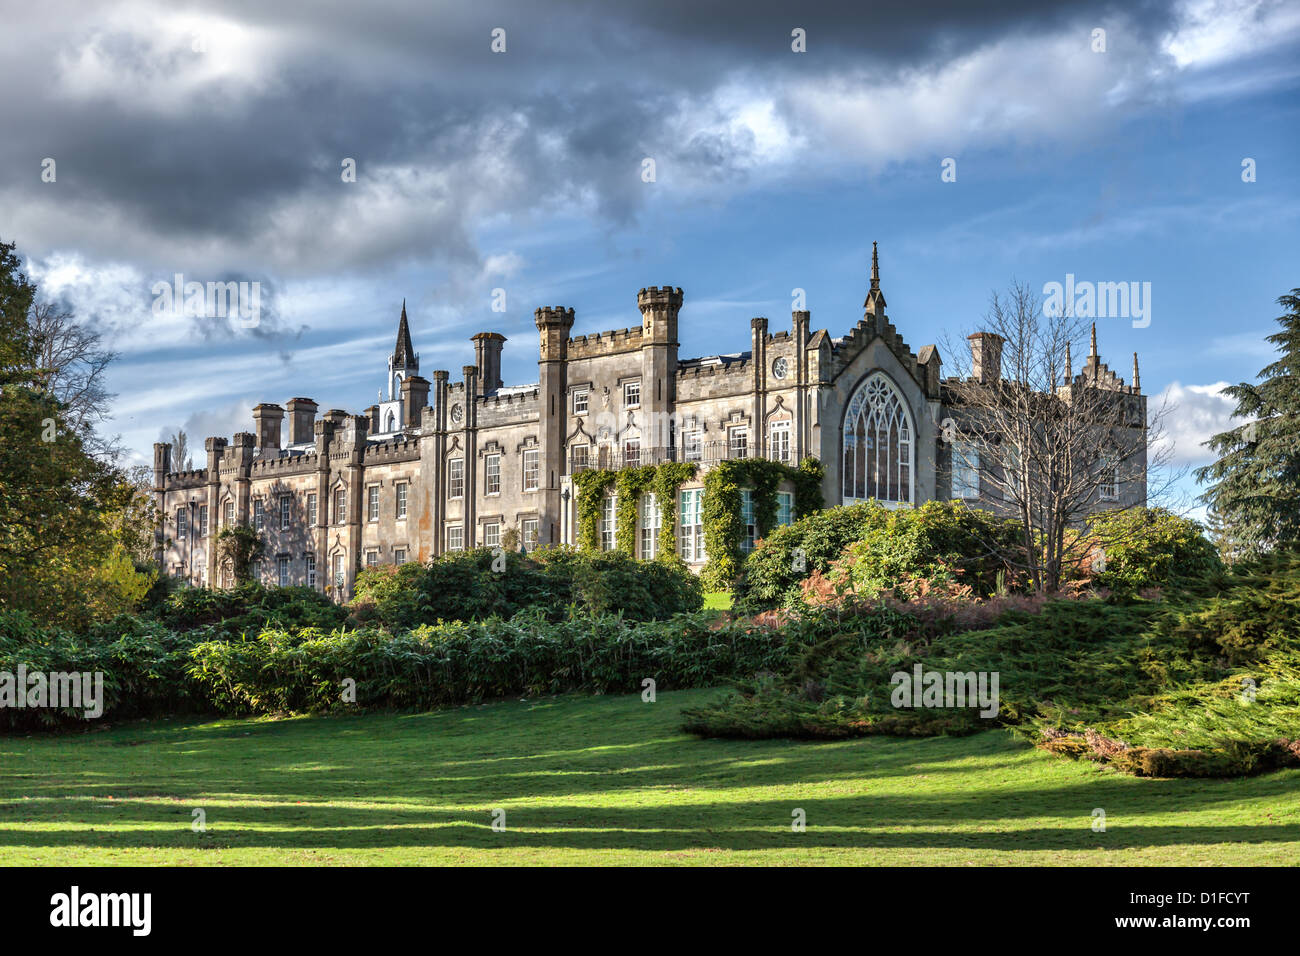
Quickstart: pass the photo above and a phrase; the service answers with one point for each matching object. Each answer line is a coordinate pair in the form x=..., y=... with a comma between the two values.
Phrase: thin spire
x=403, y=352
x=1137, y=382
x=1069, y=365
x=1093, y=352
x=875, y=302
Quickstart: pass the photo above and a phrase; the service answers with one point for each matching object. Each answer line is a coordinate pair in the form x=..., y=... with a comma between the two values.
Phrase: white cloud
x=1197, y=412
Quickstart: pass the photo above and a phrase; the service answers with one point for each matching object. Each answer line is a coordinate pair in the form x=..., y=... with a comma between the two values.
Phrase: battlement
x=605, y=343
x=553, y=315
x=298, y=464
x=193, y=478
x=657, y=295
x=392, y=450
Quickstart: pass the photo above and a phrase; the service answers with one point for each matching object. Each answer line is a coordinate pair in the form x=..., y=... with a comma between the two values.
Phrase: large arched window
x=878, y=444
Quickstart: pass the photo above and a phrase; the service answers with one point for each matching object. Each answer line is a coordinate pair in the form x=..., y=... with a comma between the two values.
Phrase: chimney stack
x=487, y=356
x=302, y=421
x=415, y=396
x=267, y=419
x=985, y=357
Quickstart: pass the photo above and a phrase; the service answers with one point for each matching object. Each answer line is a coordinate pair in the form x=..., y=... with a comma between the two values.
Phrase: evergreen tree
x=1256, y=479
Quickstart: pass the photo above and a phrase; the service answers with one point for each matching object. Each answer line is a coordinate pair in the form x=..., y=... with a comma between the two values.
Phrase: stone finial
x=1093, y=351
x=875, y=301
x=1137, y=381
x=1069, y=365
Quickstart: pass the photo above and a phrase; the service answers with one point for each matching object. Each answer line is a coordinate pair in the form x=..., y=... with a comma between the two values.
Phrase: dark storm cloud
x=246, y=162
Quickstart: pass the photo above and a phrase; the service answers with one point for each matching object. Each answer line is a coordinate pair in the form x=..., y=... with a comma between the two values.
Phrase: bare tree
x=1046, y=446
x=73, y=361
x=181, y=459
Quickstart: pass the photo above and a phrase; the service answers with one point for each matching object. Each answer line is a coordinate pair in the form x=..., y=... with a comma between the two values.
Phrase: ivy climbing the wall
x=630, y=484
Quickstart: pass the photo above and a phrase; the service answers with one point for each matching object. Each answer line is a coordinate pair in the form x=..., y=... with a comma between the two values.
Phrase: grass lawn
x=717, y=600
x=601, y=780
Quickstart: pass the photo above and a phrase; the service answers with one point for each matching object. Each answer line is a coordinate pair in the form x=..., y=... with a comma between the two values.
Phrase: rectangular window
x=284, y=512
x=651, y=519
x=203, y=521
x=580, y=402
x=528, y=528
x=1109, y=479
x=780, y=442
x=282, y=570
x=532, y=469
x=965, y=470
x=692, y=518
x=259, y=515
x=747, y=519
x=1010, y=473
x=579, y=456
x=784, y=507
x=228, y=521
x=338, y=571
x=608, y=510
x=401, y=501
x=372, y=503
x=692, y=446
x=492, y=534
x=399, y=556
x=372, y=558
x=182, y=524
x=456, y=539
x=631, y=394
x=492, y=475
x=340, y=505
x=738, y=441
x=632, y=453
x=310, y=561
x=311, y=510
x=255, y=569
x=456, y=478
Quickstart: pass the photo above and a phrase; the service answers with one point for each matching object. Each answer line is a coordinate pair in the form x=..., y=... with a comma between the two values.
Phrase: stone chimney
x=267, y=419
x=415, y=396
x=985, y=357
x=302, y=421
x=487, y=356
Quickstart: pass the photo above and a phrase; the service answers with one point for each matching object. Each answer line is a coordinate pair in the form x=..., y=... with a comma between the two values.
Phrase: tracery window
x=878, y=444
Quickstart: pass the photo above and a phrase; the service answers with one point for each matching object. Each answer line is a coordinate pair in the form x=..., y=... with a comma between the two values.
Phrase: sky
x=500, y=153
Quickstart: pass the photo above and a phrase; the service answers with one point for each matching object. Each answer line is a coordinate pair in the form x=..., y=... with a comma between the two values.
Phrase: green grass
x=591, y=780
x=717, y=600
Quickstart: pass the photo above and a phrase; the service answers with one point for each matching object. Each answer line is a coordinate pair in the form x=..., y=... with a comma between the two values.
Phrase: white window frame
x=228, y=513
x=581, y=398
x=285, y=507
x=338, y=573
x=309, y=560
x=492, y=474
x=372, y=503
x=779, y=441
x=1108, y=478
x=609, y=523
x=632, y=453
x=632, y=394
x=691, y=516
x=372, y=558
x=456, y=538
x=492, y=534
x=283, y=565
x=528, y=533
x=456, y=478
x=312, y=512
x=400, y=492
x=649, y=522
x=693, y=445
x=747, y=519
x=340, y=506
x=399, y=556
x=259, y=515
x=784, y=507
x=203, y=521
x=574, y=467
x=182, y=523
x=965, y=470
x=532, y=469
x=738, y=440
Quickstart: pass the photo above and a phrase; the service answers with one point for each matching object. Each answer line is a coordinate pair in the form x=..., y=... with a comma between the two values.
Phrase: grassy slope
x=601, y=780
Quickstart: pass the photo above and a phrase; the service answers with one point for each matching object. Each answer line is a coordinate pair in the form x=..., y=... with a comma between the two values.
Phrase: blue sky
x=207, y=141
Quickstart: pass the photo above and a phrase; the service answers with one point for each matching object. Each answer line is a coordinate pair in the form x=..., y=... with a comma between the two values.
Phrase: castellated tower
x=659, y=308
x=553, y=325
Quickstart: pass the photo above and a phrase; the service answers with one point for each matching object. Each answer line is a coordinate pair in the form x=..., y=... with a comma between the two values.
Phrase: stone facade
x=443, y=465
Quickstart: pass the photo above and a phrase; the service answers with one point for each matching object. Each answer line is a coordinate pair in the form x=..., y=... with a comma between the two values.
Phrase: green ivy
x=630, y=484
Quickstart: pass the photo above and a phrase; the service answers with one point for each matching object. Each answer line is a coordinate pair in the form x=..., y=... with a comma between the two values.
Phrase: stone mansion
x=442, y=465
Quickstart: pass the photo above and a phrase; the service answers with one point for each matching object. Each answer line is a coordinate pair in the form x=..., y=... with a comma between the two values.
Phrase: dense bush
x=1149, y=687
x=875, y=547
x=1151, y=547
x=247, y=609
x=462, y=586
x=144, y=667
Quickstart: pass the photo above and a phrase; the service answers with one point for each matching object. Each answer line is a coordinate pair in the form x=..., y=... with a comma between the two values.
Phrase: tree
x=181, y=460
x=1049, y=447
x=1255, y=482
x=72, y=362
x=56, y=497
x=238, y=548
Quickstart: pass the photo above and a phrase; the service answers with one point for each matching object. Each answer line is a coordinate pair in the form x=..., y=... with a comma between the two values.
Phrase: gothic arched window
x=878, y=444
x=392, y=423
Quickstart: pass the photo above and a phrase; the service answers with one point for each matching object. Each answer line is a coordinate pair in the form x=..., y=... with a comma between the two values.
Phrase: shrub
x=1151, y=547
x=462, y=586
x=247, y=609
x=867, y=548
